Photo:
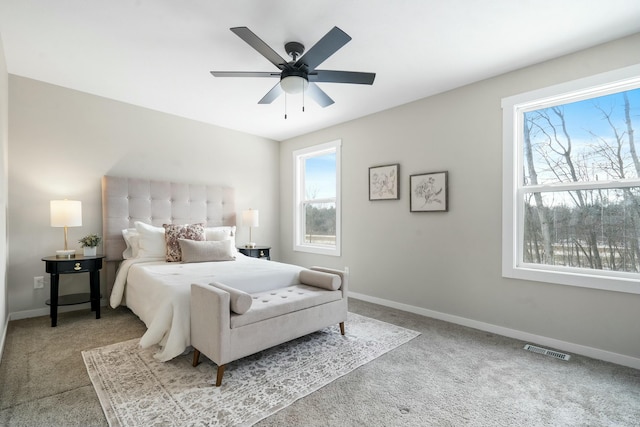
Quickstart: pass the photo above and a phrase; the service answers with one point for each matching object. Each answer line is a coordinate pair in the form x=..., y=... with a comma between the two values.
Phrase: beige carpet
x=135, y=389
x=450, y=375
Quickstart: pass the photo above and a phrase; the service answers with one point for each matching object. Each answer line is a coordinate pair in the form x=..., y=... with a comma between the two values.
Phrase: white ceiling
x=158, y=53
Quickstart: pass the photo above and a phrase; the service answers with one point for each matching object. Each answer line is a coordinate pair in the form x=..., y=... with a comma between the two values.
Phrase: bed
x=139, y=276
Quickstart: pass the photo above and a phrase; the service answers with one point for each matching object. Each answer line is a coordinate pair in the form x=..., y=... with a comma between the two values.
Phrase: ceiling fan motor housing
x=294, y=79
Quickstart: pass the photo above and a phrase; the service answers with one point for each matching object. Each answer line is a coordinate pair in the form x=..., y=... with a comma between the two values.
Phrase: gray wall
x=4, y=126
x=448, y=264
x=61, y=142
x=444, y=264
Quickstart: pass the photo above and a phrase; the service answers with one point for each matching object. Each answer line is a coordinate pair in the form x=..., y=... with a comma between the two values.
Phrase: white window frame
x=299, y=156
x=513, y=109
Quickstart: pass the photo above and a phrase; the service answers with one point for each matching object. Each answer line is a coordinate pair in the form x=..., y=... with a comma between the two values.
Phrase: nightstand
x=80, y=264
x=262, y=252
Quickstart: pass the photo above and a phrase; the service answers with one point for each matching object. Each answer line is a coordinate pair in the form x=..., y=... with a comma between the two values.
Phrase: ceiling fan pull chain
x=302, y=83
x=285, y=105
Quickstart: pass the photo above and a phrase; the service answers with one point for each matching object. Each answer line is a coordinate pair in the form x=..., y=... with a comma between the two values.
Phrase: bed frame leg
x=196, y=356
x=342, y=328
x=219, y=375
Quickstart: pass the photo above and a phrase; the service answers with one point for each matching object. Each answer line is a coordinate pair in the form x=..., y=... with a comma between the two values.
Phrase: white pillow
x=150, y=241
x=222, y=233
x=131, y=238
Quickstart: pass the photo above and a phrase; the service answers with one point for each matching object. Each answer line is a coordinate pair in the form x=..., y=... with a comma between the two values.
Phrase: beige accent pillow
x=195, y=251
x=174, y=232
x=320, y=279
x=239, y=301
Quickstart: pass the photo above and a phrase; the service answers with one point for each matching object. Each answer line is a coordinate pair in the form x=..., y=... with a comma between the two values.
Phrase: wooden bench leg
x=196, y=356
x=220, y=374
x=342, y=328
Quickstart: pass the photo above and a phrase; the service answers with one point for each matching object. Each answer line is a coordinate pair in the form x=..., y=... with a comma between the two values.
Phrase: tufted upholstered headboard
x=126, y=200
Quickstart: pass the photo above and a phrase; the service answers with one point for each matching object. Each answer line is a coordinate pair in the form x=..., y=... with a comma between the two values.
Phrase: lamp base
x=250, y=245
x=68, y=253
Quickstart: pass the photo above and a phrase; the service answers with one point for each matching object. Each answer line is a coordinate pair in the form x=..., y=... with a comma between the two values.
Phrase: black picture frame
x=429, y=192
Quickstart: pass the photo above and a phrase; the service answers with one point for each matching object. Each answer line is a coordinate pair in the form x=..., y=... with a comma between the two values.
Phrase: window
x=317, y=199
x=571, y=190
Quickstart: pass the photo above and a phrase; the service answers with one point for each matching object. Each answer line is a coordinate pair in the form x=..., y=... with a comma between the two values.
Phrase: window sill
x=317, y=250
x=626, y=282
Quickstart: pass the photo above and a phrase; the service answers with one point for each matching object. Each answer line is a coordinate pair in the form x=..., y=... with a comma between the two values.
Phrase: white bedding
x=159, y=292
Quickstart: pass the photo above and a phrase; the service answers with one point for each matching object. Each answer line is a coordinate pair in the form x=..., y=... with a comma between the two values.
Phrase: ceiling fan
x=300, y=74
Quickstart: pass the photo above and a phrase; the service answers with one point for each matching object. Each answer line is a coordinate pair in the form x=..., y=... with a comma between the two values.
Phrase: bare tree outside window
x=319, y=204
x=580, y=194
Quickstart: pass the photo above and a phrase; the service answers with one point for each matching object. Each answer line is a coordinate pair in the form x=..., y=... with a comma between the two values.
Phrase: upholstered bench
x=228, y=324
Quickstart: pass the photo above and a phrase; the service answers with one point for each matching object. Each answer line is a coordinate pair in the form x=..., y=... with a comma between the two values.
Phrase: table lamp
x=250, y=218
x=66, y=213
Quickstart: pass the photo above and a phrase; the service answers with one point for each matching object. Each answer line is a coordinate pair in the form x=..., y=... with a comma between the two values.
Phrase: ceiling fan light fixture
x=294, y=84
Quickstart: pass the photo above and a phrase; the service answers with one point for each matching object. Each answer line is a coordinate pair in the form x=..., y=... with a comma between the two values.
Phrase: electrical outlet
x=346, y=270
x=38, y=282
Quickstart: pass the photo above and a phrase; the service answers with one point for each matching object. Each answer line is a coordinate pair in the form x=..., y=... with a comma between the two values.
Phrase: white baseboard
x=595, y=353
x=4, y=337
x=25, y=314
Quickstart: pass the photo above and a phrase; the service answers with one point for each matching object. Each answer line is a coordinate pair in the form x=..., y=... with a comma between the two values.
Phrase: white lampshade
x=66, y=213
x=250, y=218
x=294, y=84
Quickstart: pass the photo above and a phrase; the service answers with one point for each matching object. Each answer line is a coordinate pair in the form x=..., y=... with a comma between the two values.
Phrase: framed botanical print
x=384, y=182
x=429, y=192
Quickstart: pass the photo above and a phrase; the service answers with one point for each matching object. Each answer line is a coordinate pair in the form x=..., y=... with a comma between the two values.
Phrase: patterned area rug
x=135, y=389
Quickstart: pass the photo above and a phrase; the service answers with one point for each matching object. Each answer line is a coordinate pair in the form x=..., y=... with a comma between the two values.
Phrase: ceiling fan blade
x=244, y=74
x=331, y=76
x=327, y=46
x=255, y=42
x=318, y=95
x=271, y=96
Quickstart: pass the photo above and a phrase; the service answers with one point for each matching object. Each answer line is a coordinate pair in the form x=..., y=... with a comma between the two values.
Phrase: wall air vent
x=547, y=352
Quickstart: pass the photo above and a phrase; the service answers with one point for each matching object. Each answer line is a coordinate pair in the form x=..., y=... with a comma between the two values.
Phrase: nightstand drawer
x=71, y=267
x=74, y=266
x=263, y=252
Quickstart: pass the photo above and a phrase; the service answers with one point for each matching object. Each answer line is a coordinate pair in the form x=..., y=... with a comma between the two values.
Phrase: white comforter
x=159, y=292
